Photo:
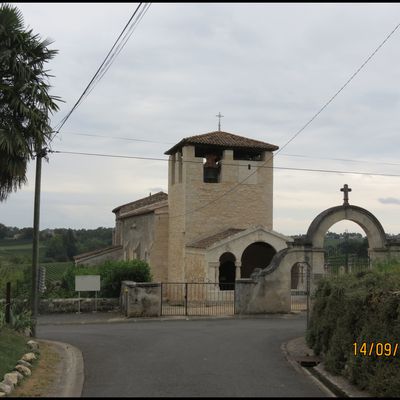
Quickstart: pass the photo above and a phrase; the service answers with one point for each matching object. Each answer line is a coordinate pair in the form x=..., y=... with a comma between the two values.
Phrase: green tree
x=55, y=248
x=70, y=243
x=25, y=102
x=3, y=231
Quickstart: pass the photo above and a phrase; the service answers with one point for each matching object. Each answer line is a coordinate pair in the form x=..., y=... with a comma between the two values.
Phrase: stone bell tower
x=216, y=181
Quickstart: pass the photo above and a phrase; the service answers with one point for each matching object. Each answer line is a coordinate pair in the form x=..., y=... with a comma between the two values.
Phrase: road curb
x=69, y=382
x=302, y=370
x=336, y=386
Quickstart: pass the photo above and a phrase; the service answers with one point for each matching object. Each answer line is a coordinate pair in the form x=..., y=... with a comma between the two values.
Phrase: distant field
x=55, y=270
x=10, y=249
x=14, y=242
x=14, y=273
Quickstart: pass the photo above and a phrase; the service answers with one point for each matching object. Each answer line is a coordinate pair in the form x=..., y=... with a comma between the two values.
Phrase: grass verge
x=12, y=347
x=44, y=374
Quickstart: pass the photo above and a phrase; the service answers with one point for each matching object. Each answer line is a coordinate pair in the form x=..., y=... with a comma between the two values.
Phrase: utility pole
x=35, y=256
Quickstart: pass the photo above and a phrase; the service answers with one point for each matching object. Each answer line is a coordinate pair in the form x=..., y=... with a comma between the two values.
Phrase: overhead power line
x=119, y=138
x=340, y=159
x=284, y=155
x=217, y=198
x=121, y=45
x=227, y=164
x=296, y=134
x=109, y=59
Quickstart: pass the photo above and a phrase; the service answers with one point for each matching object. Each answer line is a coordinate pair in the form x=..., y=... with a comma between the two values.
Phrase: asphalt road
x=191, y=358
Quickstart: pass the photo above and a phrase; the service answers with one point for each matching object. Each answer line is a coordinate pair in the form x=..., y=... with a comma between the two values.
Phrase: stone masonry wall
x=140, y=299
x=49, y=306
x=249, y=204
x=159, y=251
x=176, y=230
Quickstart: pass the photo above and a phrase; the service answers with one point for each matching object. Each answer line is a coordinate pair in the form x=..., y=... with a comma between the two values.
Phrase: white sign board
x=86, y=283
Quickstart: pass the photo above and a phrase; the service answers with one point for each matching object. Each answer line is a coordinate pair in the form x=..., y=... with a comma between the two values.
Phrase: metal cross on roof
x=346, y=191
x=219, y=121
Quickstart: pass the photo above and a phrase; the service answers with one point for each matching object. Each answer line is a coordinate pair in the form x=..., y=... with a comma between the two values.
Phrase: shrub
x=112, y=273
x=21, y=320
x=359, y=308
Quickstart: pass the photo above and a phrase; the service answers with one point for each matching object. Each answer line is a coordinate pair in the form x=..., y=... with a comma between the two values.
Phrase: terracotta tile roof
x=97, y=252
x=223, y=140
x=208, y=241
x=143, y=210
x=154, y=198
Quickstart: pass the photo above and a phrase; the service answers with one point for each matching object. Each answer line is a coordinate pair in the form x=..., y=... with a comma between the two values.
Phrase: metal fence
x=340, y=264
x=300, y=287
x=197, y=299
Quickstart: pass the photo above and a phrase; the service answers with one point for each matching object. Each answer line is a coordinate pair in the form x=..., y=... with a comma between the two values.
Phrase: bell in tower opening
x=211, y=168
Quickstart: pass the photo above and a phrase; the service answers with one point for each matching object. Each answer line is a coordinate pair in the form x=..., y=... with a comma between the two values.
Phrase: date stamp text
x=380, y=349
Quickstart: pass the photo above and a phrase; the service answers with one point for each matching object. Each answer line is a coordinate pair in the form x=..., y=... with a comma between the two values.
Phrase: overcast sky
x=268, y=68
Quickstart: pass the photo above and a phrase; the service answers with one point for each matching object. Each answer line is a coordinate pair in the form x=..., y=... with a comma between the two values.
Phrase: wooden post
x=8, y=302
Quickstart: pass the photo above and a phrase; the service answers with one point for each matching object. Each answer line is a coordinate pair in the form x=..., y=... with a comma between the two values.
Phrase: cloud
x=184, y=64
x=390, y=200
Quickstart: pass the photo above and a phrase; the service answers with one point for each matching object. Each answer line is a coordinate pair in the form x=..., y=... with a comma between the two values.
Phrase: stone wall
x=138, y=236
x=49, y=306
x=176, y=230
x=196, y=269
x=249, y=205
x=158, y=257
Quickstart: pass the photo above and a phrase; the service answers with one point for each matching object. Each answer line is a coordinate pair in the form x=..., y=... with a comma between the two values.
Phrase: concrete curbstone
x=70, y=382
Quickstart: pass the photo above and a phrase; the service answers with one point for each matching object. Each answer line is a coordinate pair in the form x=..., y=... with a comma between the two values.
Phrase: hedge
x=359, y=308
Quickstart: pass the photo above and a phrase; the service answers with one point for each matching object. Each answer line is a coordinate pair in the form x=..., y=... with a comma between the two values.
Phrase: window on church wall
x=180, y=165
x=172, y=166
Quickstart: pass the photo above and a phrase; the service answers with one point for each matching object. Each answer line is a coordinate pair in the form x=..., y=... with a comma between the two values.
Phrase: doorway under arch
x=256, y=255
x=227, y=271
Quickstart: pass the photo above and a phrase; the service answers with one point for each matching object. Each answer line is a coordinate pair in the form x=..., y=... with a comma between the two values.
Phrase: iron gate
x=300, y=288
x=197, y=299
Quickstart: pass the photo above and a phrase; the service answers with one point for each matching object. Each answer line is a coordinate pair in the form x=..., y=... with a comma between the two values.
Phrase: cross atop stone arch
x=345, y=189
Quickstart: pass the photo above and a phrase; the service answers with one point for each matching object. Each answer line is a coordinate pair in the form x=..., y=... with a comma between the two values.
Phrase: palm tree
x=25, y=102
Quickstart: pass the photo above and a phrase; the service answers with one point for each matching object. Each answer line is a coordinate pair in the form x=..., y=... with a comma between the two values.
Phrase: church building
x=216, y=222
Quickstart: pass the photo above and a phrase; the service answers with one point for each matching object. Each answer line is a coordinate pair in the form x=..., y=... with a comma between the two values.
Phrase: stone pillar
x=213, y=271
x=243, y=291
x=238, y=274
x=140, y=299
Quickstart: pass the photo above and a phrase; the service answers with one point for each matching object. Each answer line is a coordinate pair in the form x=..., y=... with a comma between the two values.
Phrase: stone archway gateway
x=268, y=290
